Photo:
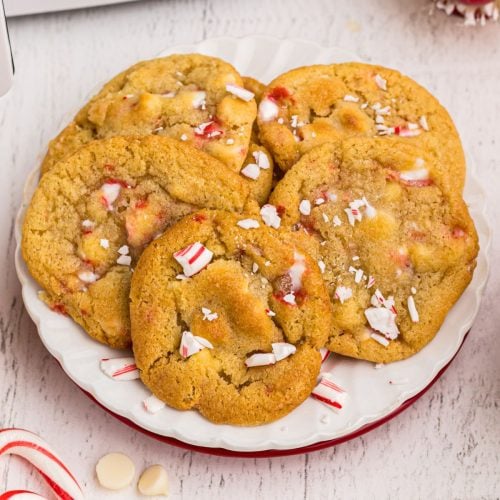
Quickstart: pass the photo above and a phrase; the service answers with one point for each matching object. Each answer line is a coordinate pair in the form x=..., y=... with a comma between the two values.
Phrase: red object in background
x=475, y=2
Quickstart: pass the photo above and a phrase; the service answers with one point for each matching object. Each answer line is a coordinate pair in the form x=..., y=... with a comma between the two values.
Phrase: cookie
x=396, y=247
x=227, y=319
x=258, y=172
x=254, y=86
x=93, y=214
x=312, y=105
x=190, y=97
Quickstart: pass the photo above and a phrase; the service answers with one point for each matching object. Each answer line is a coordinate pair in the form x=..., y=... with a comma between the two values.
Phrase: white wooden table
x=445, y=446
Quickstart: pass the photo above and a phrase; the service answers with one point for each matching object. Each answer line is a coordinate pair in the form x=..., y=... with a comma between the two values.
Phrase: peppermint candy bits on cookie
x=329, y=393
x=192, y=344
x=37, y=451
x=193, y=258
x=115, y=471
x=120, y=368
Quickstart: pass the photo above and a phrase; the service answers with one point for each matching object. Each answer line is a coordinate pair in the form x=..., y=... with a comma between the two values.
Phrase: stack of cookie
x=229, y=231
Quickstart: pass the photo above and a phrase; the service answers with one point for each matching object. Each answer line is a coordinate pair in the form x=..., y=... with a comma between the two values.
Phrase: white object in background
x=25, y=7
x=6, y=64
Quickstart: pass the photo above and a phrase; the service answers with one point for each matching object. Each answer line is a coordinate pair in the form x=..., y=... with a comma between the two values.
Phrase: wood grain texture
x=445, y=446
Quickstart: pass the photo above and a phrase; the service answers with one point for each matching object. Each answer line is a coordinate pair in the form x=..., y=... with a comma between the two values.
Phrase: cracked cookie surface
x=94, y=213
x=181, y=96
x=239, y=303
x=309, y=106
x=396, y=247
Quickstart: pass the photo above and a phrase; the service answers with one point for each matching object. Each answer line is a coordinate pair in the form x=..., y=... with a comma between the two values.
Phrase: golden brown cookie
x=211, y=300
x=396, y=247
x=93, y=214
x=312, y=105
x=190, y=97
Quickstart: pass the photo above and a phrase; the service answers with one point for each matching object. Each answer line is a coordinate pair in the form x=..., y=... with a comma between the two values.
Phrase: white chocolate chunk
x=153, y=481
x=305, y=207
x=115, y=471
x=268, y=110
x=248, y=224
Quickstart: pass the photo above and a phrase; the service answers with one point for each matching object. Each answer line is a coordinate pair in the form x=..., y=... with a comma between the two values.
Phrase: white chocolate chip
x=153, y=481
x=305, y=207
x=115, y=471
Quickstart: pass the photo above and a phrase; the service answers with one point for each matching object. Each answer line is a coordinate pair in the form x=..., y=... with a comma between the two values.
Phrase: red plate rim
x=222, y=452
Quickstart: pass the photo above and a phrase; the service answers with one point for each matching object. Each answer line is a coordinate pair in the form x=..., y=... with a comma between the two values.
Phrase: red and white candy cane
x=193, y=258
x=35, y=450
x=120, y=368
x=329, y=393
x=325, y=354
x=21, y=495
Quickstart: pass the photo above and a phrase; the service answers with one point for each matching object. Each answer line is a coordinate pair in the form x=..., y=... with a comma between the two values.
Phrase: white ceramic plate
x=371, y=396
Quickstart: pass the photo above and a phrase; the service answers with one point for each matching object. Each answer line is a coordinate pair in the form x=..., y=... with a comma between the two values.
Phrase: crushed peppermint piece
x=332, y=196
x=152, y=404
x=123, y=250
x=382, y=320
x=364, y=105
x=193, y=258
x=192, y=344
x=379, y=119
x=355, y=257
x=260, y=359
x=371, y=281
x=343, y=293
x=294, y=121
x=378, y=366
x=319, y=201
x=255, y=267
x=230, y=142
x=322, y=266
x=240, y=92
x=248, y=224
x=267, y=263
x=336, y=221
x=289, y=298
x=325, y=217
x=282, y=350
x=380, y=339
x=358, y=274
x=413, y=290
x=281, y=121
x=350, y=98
x=252, y=171
x=88, y=276
x=412, y=309
x=120, y=368
x=270, y=313
x=181, y=277
x=329, y=393
x=268, y=110
x=208, y=315
x=381, y=82
x=305, y=207
x=104, y=243
x=270, y=216
x=423, y=123
x=261, y=159
x=124, y=260
x=88, y=224
x=184, y=137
